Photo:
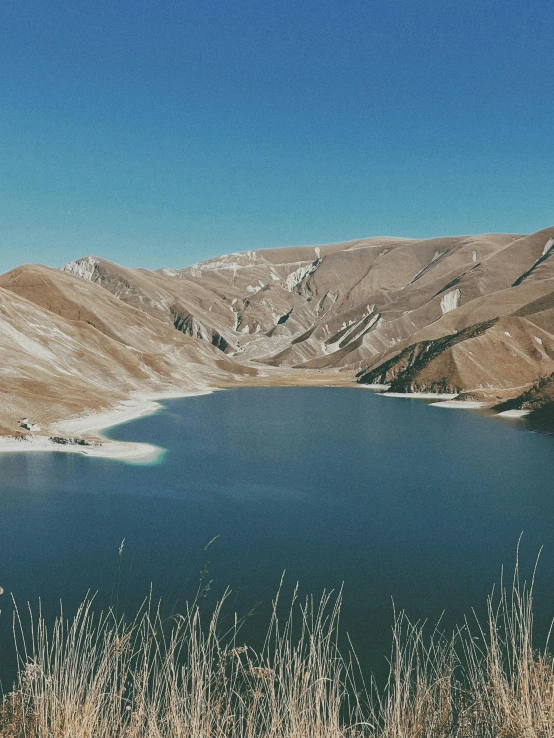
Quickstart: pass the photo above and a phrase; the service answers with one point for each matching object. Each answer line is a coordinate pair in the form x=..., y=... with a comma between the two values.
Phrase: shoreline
x=139, y=405
x=83, y=435
x=73, y=432
x=446, y=400
x=135, y=453
x=462, y=404
x=422, y=395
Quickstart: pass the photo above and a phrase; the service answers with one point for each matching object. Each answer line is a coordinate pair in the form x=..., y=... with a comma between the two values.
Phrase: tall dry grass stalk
x=103, y=677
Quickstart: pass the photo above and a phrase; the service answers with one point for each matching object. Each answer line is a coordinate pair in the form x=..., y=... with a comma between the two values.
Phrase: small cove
x=398, y=500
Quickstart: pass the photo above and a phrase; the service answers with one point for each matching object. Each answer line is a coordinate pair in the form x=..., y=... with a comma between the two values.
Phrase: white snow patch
x=376, y=318
x=507, y=333
x=83, y=268
x=355, y=328
x=224, y=262
x=169, y=272
x=538, y=340
x=437, y=255
x=294, y=278
x=548, y=246
x=451, y=301
x=475, y=256
x=317, y=252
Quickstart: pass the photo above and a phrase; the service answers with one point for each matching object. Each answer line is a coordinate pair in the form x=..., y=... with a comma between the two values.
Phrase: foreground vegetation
x=103, y=677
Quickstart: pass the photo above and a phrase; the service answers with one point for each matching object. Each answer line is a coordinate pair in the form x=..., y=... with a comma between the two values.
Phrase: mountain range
x=471, y=316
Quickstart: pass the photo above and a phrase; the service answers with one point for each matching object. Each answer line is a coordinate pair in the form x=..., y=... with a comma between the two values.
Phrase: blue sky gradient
x=161, y=133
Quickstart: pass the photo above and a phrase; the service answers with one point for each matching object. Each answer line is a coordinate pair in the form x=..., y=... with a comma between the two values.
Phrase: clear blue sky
x=160, y=133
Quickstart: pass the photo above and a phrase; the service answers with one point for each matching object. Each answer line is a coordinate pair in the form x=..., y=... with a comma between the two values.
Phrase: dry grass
x=102, y=677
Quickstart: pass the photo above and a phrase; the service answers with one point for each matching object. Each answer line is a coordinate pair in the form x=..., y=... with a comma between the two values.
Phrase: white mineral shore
x=443, y=399
x=422, y=395
x=89, y=425
x=140, y=404
x=462, y=404
x=137, y=453
x=448, y=401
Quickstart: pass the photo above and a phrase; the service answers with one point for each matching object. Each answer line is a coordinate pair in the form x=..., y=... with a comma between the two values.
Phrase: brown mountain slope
x=503, y=353
x=69, y=347
x=166, y=295
x=467, y=314
x=348, y=302
x=531, y=297
x=538, y=399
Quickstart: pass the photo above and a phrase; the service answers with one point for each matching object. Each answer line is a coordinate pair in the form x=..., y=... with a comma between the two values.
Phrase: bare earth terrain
x=93, y=343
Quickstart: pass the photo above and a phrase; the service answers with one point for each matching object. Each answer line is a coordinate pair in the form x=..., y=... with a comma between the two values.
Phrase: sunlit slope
x=358, y=306
x=69, y=346
x=468, y=314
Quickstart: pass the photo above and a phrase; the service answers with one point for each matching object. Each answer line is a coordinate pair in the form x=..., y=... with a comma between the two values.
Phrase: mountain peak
x=83, y=267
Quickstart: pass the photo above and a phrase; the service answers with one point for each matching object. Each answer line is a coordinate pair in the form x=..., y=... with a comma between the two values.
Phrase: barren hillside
x=366, y=306
x=69, y=348
x=471, y=315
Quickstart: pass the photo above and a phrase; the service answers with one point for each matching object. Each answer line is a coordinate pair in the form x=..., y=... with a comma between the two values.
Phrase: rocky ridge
x=478, y=311
x=471, y=315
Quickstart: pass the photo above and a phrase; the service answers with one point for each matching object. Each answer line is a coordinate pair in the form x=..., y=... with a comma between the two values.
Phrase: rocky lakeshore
x=92, y=343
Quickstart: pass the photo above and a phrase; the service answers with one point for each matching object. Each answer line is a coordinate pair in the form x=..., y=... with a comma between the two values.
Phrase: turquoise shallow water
x=394, y=498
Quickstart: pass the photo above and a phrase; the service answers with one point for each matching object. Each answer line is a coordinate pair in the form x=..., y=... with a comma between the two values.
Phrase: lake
x=398, y=500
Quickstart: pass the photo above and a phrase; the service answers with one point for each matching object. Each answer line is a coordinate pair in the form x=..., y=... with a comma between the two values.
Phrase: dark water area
x=398, y=500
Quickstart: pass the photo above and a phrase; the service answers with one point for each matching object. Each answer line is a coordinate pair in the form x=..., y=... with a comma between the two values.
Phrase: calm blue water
x=397, y=499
